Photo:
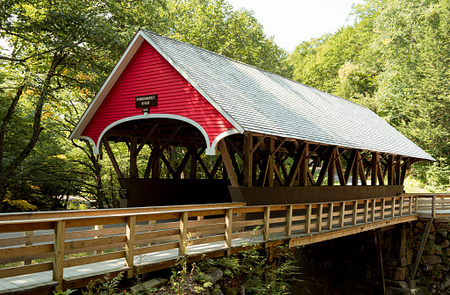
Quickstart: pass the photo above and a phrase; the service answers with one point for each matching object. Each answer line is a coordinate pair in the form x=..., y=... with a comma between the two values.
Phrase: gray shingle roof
x=267, y=103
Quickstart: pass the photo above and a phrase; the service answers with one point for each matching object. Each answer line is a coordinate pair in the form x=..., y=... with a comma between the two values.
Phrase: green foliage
x=107, y=286
x=394, y=60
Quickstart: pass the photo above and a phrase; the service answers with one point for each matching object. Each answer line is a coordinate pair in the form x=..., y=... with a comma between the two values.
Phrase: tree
x=53, y=46
x=215, y=26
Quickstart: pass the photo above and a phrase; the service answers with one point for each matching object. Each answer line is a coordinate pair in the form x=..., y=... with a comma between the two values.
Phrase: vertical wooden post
x=266, y=223
x=28, y=235
x=289, y=212
x=355, y=212
x=319, y=217
x=393, y=207
x=228, y=227
x=98, y=228
x=433, y=207
x=342, y=217
x=129, y=244
x=416, y=204
x=308, y=219
x=111, y=157
x=271, y=163
x=366, y=211
x=401, y=206
x=410, y=204
x=228, y=164
x=182, y=248
x=355, y=167
x=374, y=205
x=248, y=160
x=375, y=159
x=303, y=170
x=390, y=170
x=330, y=216
x=383, y=205
x=397, y=170
x=58, y=253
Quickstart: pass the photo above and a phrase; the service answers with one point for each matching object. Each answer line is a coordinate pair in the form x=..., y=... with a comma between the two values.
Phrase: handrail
x=138, y=233
x=94, y=212
x=432, y=204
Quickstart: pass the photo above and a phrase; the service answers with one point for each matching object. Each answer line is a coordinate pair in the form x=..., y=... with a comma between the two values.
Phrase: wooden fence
x=432, y=205
x=58, y=244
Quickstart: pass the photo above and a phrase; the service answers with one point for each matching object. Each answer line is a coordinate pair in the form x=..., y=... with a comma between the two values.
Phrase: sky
x=292, y=21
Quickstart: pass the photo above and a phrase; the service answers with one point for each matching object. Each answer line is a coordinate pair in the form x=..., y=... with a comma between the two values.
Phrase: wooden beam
x=331, y=166
x=111, y=157
x=390, y=170
x=374, y=166
x=216, y=167
x=303, y=169
x=227, y=162
x=234, y=147
x=340, y=170
x=361, y=173
x=405, y=167
x=184, y=162
x=255, y=147
x=248, y=160
x=298, y=158
x=58, y=253
x=350, y=164
x=271, y=166
x=146, y=138
x=169, y=167
x=129, y=244
x=355, y=168
x=325, y=166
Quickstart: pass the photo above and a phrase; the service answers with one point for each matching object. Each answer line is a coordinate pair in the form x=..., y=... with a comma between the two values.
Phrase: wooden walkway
x=40, y=252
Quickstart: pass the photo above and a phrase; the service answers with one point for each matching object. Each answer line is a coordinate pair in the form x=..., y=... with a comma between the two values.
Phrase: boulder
x=445, y=244
x=153, y=283
x=214, y=276
x=431, y=259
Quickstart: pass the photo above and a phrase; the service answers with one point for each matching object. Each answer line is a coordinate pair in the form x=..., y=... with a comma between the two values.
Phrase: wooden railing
x=432, y=205
x=60, y=243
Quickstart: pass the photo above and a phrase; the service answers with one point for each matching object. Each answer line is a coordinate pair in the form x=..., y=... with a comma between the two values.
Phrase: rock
x=445, y=244
x=427, y=267
x=214, y=276
x=396, y=273
x=447, y=251
x=420, y=225
x=153, y=283
x=442, y=223
x=431, y=237
x=431, y=259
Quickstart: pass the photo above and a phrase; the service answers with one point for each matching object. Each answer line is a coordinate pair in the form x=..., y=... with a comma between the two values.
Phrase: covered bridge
x=203, y=128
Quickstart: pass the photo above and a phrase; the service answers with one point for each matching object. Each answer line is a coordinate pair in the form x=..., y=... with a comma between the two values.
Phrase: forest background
x=394, y=60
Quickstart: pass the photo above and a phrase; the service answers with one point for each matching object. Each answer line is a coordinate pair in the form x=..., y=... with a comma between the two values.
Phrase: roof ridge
x=252, y=66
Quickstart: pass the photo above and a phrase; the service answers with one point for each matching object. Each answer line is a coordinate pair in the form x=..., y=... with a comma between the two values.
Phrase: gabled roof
x=255, y=100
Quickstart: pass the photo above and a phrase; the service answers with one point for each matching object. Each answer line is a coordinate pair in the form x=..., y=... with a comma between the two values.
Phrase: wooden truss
x=255, y=159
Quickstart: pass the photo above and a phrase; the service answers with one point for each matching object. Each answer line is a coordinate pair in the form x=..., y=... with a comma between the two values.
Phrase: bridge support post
x=129, y=244
x=58, y=253
x=228, y=229
x=266, y=223
x=183, y=234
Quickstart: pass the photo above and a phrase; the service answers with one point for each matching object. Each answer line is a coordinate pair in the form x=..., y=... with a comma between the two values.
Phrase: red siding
x=149, y=73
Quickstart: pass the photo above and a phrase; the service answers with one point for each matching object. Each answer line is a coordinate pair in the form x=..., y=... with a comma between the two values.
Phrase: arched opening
x=162, y=161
